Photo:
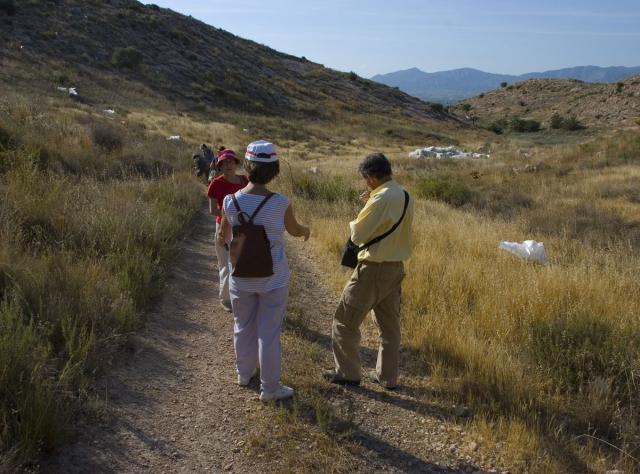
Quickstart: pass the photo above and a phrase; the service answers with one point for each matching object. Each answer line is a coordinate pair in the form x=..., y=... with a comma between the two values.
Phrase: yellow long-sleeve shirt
x=380, y=213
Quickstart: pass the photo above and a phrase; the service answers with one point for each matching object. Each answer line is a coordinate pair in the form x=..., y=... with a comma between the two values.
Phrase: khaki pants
x=377, y=287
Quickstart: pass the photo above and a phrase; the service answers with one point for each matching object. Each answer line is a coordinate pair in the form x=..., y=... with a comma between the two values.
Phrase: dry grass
x=544, y=354
x=90, y=212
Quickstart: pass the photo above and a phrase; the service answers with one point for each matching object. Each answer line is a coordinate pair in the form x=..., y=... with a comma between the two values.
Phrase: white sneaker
x=282, y=392
x=244, y=381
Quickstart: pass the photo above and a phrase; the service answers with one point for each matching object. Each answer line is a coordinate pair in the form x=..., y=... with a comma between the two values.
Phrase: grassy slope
x=546, y=356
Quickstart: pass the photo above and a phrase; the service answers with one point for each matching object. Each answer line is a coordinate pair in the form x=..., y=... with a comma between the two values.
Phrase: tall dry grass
x=90, y=213
x=547, y=356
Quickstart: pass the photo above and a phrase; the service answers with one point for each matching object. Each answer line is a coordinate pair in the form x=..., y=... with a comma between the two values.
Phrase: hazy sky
x=377, y=36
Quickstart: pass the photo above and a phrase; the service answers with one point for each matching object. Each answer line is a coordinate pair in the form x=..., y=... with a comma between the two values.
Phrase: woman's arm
x=224, y=231
x=293, y=227
x=213, y=208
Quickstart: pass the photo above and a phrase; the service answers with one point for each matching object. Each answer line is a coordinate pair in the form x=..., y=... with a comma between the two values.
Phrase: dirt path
x=174, y=406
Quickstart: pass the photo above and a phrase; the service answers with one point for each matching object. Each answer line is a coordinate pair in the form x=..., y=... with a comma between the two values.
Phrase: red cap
x=226, y=154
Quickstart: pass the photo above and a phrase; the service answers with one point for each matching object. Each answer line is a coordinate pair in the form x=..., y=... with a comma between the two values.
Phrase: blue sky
x=376, y=36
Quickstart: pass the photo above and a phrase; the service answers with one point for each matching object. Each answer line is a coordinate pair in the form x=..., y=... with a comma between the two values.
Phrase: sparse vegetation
x=531, y=350
x=504, y=84
x=84, y=243
x=127, y=58
x=446, y=188
x=523, y=125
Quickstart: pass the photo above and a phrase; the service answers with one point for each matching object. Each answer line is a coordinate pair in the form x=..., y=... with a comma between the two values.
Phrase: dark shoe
x=333, y=377
x=373, y=378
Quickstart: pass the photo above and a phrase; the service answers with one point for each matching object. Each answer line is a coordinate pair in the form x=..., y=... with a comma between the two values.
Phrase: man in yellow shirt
x=376, y=282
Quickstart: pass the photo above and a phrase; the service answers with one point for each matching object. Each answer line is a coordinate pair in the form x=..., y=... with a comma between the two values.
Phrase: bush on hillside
x=524, y=125
x=503, y=84
x=437, y=107
x=126, y=58
x=556, y=121
x=497, y=126
x=445, y=188
x=8, y=6
x=466, y=107
x=572, y=124
x=106, y=137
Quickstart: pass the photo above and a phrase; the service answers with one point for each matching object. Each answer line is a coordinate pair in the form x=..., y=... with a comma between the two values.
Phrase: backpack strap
x=395, y=226
x=243, y=217
x=260, y=206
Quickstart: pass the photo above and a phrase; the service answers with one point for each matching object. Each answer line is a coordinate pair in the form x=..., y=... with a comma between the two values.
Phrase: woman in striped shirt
x=259, y=304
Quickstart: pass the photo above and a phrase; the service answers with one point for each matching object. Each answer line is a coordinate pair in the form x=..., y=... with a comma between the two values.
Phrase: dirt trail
x=174, y=406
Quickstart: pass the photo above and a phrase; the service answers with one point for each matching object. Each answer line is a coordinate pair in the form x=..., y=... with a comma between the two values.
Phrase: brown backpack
x=250, y=249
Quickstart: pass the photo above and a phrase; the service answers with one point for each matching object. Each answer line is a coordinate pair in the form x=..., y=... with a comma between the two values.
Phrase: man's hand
x=364, y=197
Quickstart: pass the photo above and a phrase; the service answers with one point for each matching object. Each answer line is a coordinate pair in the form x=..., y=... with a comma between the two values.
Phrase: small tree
x=466, y=107
x=353, y=76
x=437, y=107
x=129, y=58
x=503, y=84
x=556, y=121
x=619, y=87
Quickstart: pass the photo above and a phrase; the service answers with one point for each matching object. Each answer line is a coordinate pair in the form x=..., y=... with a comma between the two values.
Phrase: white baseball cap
x=261, y=151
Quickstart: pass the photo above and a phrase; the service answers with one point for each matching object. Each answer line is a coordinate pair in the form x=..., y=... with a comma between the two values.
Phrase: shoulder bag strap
x=242, y=216
x=390, y=231
x=260, y=206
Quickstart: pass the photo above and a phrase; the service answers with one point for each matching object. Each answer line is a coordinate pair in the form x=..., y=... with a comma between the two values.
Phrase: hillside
x=180, y=60
x=594, y=105
x=457, y=84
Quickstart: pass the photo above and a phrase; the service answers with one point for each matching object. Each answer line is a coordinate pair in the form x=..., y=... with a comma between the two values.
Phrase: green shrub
x=524, y=125
x=106, y=137
x=572, y=123
x=503, y=84
x=497, y=127
x=353, y=76
x=446, y=188
x=466, y=107
x=8, y=6
x=619, y=87
x=323, y=188
x=437, y=107
x=126, y=58
x=556, y=121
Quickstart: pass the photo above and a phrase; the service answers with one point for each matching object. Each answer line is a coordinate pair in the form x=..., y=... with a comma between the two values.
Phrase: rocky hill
x=594, y=105
x=137, y=51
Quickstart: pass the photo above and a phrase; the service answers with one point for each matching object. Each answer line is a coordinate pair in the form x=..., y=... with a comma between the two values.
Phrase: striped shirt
x=271, y=216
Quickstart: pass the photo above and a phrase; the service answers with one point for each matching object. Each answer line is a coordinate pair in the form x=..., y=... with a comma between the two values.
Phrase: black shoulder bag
x=351, y=250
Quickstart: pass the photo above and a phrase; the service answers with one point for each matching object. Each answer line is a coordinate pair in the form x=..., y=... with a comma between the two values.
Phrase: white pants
x=258, y=320
x=223, y=269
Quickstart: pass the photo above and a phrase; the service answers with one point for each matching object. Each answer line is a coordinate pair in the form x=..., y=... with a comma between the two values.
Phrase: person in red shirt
x=227, y=183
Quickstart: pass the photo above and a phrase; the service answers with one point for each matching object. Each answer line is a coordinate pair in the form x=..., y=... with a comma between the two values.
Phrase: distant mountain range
x=457, y=84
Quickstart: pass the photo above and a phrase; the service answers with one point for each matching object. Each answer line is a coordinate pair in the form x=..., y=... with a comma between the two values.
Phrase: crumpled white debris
x=175, y=138
x=529, y=250
x=109, y=111
x=445, y=152
x=72, y=91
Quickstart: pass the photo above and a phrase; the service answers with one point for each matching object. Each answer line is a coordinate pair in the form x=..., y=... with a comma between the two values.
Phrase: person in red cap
x=228, y=182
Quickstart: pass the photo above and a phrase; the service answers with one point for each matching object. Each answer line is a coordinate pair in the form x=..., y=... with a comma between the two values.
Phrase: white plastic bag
x=529, y=250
